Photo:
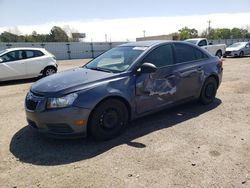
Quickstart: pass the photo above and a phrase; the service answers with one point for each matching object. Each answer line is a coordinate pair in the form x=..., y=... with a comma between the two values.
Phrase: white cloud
x=130, y=28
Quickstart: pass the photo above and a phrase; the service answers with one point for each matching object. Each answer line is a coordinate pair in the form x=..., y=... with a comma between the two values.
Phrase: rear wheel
x=49, y=71
x=108, y=119
x=208, y=91
x=219, y=53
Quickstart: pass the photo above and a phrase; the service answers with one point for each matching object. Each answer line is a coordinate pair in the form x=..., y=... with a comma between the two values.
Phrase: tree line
x=219, y=33
x=56, y=34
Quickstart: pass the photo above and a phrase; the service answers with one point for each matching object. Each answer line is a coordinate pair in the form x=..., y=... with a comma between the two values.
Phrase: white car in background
x=21, y=63
x=216, y=50
x=238, y=49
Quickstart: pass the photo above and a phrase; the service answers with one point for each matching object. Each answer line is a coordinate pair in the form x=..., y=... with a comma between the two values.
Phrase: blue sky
x=121, y=20
x=28, y=12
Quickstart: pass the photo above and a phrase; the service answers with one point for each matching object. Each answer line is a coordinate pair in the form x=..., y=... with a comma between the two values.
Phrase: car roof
x=23, y=48
x=241, y=42
x=149, y=43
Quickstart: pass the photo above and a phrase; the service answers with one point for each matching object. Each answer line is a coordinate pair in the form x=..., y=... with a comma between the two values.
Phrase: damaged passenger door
x=157, y=89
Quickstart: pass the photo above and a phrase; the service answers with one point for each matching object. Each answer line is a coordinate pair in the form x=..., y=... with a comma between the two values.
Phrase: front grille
x=32, y=101
x=228, y=52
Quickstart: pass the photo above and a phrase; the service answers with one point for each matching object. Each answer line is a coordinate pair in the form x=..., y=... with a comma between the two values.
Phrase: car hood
x=70, y=81
x=233, y=48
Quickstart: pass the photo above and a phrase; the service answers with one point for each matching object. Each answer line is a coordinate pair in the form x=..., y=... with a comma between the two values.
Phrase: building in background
x=173, y=36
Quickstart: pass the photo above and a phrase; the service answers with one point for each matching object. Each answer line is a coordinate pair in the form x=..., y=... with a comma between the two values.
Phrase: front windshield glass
x=192, y=41
x=237, y=44
x=116, y=60
x=2, y=51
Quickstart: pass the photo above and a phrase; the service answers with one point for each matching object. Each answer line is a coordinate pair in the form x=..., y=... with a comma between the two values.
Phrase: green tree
x=57, y=34
x=236, y=33
x=9, y=37
x=186, y=33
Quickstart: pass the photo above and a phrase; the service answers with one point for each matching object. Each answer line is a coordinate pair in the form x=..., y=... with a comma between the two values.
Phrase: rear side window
x=199, y=54
x=161, y=56
x=186, y=53
x=202, y=43
x=33, y=53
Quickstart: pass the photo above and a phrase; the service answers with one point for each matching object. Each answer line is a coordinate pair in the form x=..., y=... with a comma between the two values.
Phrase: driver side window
x=161, y=56
x=11, y=56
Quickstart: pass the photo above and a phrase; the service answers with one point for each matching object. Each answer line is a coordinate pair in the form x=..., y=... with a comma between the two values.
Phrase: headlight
x=61, y=102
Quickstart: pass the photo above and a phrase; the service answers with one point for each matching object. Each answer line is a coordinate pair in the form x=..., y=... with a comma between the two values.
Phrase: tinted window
x=199, y=54
x=161, y=56
x=184, y=53
x=202, y=43
x=11, y=56
x=33, y=53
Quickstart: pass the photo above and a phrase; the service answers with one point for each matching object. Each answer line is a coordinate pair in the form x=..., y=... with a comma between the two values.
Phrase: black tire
x=241, y=54
x=219, y=53
x=49, y=71
x=208, y=91
x=108, y=119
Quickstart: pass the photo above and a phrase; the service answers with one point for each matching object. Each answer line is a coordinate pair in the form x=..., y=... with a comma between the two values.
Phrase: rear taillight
x=221, y=62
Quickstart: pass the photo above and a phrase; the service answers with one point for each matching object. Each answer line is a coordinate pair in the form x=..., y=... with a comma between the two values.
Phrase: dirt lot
x=188, y=146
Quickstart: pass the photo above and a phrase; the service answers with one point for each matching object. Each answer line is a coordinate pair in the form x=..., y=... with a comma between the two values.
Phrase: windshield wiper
x=99, y=69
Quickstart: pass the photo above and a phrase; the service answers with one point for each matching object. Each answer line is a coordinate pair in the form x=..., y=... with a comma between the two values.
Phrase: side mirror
x=148, y=68
x=210, y=43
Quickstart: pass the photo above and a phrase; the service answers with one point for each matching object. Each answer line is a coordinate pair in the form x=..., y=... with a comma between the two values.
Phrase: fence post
x=68, y=50
x=92, y=49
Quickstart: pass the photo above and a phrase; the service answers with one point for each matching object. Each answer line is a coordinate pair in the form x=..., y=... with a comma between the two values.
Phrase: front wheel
x=241, y=54
x=208, y=91
x=49, y=71
x=108, y=119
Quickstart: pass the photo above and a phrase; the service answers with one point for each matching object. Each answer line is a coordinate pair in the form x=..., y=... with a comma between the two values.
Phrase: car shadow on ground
x=30, y=147
x=19, y=82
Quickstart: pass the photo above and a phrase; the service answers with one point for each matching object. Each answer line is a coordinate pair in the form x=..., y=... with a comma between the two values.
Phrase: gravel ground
x=187, y=146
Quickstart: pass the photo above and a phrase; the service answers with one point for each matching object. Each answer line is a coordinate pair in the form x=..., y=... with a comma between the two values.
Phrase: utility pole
x=209, y=28
x=106, y=38
x=144, y=33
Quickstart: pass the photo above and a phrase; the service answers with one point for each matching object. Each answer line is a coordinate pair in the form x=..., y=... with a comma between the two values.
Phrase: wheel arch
x=48, y=66
x=117, y=97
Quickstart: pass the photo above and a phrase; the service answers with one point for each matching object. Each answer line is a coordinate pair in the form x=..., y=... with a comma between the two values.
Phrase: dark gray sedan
x=124, y=83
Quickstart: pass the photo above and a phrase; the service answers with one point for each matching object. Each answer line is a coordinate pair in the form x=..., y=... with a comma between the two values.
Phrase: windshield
x=237, y=44
x=116, y=60
x=2, y=51
x=192, y=41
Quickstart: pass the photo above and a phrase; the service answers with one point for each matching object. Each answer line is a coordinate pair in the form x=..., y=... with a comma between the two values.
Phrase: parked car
x=21, y=63
x=124, y=83
x=217, y=50
x=238, y=49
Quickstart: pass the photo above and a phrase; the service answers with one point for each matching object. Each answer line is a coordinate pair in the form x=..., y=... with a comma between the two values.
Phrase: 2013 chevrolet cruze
x=124, y=83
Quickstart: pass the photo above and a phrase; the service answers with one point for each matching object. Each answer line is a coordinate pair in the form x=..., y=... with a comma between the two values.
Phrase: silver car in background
x=238, y=49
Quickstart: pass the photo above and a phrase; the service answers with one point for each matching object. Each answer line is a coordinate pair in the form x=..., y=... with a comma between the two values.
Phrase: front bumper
x=59, y=122
x=232, y=53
